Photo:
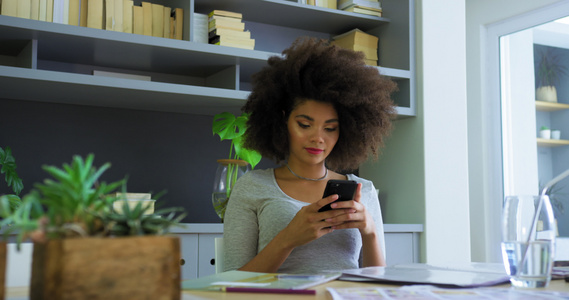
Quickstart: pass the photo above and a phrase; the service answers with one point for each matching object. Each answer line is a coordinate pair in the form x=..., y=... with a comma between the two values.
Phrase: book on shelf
x=358, y=40
x=166, y=12
x=172, y=27
x=356, y=37
x=147, y=18
x=370, y=53
x=231, y=39
x=74, y=12
x=244, y=44
x=128, y=11
x=200, y=28
x=109, y=14
x=24, y=9
x=224, y=19
x=364, y=10
x=157, y=20
x=243, y=279
x=323, y=3
x=61, y=11
x=49, y=11
x=371, y=62
x=82, y=13
x=213, y=24
x=179, y=23
x=227, y=32
x=10, y=8
x=225, y=13
x=360, y=3
x=35, y=9
x=42, y=10
x=118, y=18
x=137, y=19
x=95, y=14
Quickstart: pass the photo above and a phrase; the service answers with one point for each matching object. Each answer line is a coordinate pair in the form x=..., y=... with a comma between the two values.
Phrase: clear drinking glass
x=528, y=243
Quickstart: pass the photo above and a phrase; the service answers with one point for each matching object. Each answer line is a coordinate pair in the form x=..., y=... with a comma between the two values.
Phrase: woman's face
x=313, y=130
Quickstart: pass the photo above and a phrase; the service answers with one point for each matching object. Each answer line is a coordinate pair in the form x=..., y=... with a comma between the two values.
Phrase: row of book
x=358, y=40
x=226, y=28
x=367, y=7
x=116, y=15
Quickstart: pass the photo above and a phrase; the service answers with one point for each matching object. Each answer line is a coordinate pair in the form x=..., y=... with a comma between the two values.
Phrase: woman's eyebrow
x=309, y=118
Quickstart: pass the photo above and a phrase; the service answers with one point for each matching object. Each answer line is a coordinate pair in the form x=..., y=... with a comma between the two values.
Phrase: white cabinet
x=402, y=243
x=198, y=246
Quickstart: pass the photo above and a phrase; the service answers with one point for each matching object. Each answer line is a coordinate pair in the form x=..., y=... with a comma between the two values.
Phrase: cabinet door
x=400, y=248
x=206, y=256
x=189, y=249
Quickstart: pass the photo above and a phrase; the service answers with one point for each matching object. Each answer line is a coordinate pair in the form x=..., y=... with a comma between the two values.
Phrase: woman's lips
x=314, y=150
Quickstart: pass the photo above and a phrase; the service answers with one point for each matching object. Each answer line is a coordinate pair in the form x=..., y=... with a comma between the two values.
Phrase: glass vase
x=228, y=171
x=528, y=240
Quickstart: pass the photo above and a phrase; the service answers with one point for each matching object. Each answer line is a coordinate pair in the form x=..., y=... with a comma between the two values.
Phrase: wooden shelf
x=550, y=106
x=551, y=143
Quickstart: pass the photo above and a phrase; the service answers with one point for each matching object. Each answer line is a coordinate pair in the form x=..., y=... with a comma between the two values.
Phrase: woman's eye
x=303, y=125
x=331, y=129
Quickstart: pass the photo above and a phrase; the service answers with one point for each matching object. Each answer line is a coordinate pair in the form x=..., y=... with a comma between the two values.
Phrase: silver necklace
x=310, y=179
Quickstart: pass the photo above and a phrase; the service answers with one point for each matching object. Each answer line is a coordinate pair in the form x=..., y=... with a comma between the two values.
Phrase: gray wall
x=157, y=151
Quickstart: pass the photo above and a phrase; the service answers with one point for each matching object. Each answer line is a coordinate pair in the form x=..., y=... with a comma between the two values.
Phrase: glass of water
x=528, y=240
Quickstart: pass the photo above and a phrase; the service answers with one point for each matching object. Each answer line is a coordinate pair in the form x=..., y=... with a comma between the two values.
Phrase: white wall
x=484, y=147
x=442, y=71
x=425, y=162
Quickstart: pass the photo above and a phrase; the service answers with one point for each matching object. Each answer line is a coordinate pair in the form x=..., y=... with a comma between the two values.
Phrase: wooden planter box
x=146, y=267
x=3, y=254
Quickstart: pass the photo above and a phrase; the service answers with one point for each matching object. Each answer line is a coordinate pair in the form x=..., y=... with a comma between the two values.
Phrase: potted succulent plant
x=229, y=127
x=550, y=68
x=545, y=132
x=84, y=248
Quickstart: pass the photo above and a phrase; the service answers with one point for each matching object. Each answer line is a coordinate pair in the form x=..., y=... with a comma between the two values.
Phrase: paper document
x=470, y=275
x=429, y=292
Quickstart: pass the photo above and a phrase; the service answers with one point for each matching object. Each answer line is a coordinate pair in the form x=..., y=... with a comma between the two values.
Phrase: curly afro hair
x=312, y=69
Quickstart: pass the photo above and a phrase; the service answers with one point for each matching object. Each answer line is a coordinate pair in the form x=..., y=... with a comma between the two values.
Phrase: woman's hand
x=356, y=215
x=309, y=224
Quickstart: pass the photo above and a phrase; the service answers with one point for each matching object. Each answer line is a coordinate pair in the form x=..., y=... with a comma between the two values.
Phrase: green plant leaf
x=251, y=156
x=227, y=126
x=8, y=163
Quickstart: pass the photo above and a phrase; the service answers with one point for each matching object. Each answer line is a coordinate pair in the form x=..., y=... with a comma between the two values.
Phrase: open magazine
x=243, y=279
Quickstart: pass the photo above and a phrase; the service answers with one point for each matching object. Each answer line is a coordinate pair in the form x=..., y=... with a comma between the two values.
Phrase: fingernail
x=333, y=205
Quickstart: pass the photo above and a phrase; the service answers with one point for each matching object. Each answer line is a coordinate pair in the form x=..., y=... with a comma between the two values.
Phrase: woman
x=320, y=110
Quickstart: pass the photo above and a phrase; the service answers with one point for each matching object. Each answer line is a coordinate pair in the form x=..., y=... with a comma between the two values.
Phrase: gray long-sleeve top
x=258, y=210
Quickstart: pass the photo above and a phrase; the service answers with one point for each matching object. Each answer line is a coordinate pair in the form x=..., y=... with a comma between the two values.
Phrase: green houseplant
x=84, y=247
x=230, y=127
x=8, y=164
x=549, y=70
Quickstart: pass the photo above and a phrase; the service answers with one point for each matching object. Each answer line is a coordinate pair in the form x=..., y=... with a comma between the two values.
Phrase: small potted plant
x=545, y=132
x=84, y=248
x=548, y=73
x=555, y=134
x=229, y=127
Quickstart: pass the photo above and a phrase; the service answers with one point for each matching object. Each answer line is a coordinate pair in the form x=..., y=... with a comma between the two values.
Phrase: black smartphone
x=345, y=189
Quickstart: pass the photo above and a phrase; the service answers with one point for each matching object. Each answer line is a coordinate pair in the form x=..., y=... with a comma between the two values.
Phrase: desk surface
x=21, y=293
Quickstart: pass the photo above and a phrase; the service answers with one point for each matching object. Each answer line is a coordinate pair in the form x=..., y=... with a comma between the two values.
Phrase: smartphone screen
x=345, y=189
